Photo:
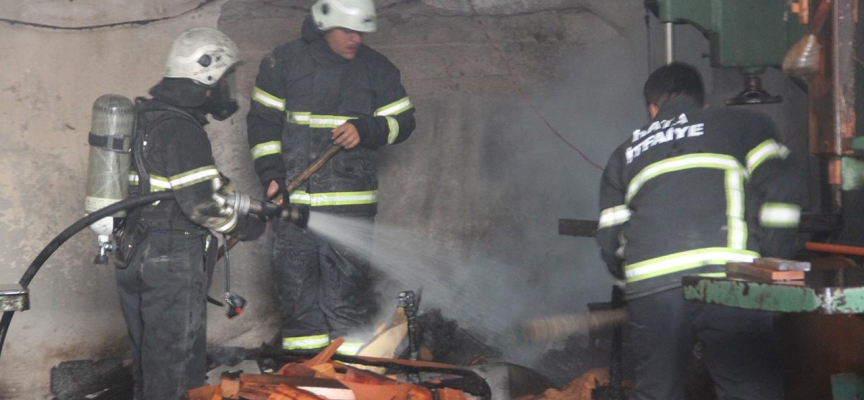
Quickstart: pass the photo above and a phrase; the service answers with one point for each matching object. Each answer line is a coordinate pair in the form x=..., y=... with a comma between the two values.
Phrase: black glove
x=279, y=182
x=249, y=228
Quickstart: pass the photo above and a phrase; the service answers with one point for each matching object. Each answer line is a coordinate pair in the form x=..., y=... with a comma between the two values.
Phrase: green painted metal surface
x=743, y=33
x=852, y=170
x=774, y=297
x=847, y=387
x=751, y=295
x=846, y=300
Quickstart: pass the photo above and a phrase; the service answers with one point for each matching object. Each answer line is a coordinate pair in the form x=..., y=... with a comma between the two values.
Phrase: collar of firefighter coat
x=676, y=106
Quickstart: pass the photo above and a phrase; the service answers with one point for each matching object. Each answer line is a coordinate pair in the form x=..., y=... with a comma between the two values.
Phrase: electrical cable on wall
x=103, y=26
x=521, y=91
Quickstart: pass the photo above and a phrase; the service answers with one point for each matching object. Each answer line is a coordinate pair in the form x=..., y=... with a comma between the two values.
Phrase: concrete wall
x=474, y=196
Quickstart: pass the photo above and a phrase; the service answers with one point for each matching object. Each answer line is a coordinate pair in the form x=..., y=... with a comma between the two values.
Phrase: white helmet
x=201, y=54
x=356, y=15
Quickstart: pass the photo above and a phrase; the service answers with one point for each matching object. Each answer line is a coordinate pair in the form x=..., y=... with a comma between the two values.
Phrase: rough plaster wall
x=483, y=178
x=48, y=83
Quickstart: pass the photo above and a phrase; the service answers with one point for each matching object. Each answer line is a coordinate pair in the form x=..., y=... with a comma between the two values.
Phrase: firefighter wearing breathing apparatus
x=162, y=274
x=326, y=87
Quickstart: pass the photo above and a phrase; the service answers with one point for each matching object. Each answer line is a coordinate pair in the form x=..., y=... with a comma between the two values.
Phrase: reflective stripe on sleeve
x=298, y=117
x=267, y=99
x=266, y=149
x=613, y=216
x=133, y=178
x=780, y=215
x=159, y=183
x=305, y=342
x=315, y=120
x=393, y=125
x=686, y=260
x=395, y=108
x=334, y=198
x=765, y=151
x=194, y=176
x=327, y=121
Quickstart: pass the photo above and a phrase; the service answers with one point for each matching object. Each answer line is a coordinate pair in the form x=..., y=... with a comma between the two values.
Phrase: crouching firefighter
x=162, y=273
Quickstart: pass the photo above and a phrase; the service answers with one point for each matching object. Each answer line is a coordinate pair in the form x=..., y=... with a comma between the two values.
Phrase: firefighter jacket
x=694, y=189
x=173, y=149
x=303, y=91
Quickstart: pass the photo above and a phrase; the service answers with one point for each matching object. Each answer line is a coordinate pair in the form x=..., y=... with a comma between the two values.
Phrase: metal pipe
x=670, y=36
x=834, y=248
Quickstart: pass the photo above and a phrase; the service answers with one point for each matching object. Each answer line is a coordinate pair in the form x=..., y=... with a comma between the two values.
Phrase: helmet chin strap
x=180, y=92
x=186, y=93
x=220, y=110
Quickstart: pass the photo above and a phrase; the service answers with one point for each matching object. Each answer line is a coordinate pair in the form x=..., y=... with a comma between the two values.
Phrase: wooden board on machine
x=765, y=272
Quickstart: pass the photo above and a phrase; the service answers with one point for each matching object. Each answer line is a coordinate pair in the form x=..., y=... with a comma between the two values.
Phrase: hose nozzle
x=295, y=214
x=245, y=205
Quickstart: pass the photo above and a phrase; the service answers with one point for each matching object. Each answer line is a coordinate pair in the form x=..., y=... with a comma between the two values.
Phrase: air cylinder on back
x=111, y=136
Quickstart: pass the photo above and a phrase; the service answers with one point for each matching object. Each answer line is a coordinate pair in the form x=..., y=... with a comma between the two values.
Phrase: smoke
x=470, y=204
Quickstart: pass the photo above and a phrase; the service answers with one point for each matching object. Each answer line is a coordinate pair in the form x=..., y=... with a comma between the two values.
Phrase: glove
x=250, y=228
x=280, y=183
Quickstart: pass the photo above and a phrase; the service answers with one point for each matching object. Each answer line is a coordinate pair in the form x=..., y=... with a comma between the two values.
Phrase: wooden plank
x=751, y=270
x=779, y=264
x=253, y=394
x=230, y=387
x=295, y=393
x=756, y=279
x=205, y=393
x=325, y=354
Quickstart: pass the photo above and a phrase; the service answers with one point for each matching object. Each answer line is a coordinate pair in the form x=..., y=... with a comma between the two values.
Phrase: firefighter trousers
x=325, y=288
x=163, y=294
x=738, y=346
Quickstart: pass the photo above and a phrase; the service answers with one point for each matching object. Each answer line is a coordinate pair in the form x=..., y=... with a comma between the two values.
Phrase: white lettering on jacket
x=660, y=132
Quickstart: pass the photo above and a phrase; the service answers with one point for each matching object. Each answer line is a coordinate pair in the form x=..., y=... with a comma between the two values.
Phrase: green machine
x=746, y=34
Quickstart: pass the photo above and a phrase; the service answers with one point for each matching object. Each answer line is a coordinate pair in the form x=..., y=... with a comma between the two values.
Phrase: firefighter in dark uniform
x=326, y=87
x=162, y=275
x=692, y=190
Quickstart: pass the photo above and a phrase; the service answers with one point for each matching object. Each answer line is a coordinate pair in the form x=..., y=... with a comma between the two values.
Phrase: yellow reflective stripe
x=613, y=216
x=315, y=120
x=780, y=215
x=737, y=235
x=133, y=178
x=686, y=260
x=713, y=275
x=159, y=183
x=393, y=124
x=395, y=108
x=305, y=342
x=327, y=121
x=349, y=348
x=334, y=198
x=765, y=151
x=702, y=160
x=298, y=117
x=267, y=99
x=194, y=176
x=266, y=149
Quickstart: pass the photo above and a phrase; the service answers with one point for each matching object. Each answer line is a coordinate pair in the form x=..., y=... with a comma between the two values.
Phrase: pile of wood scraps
x=770, y=270
x=319, y=378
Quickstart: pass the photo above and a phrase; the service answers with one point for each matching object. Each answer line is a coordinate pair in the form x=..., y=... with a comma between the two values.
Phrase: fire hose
x=36, y=265
x=291, y=214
